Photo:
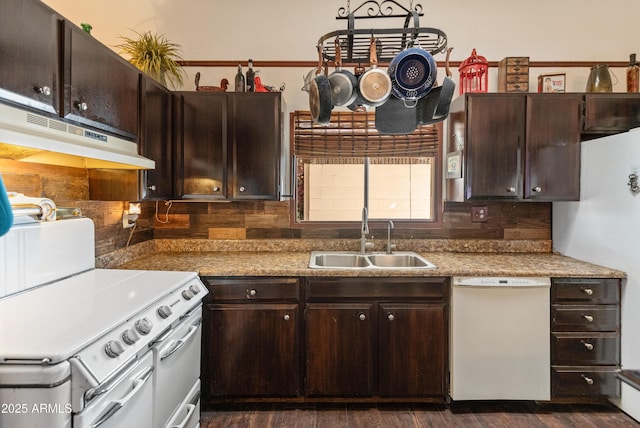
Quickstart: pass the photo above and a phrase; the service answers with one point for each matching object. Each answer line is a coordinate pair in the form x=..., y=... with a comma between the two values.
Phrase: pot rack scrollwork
x=355, y=42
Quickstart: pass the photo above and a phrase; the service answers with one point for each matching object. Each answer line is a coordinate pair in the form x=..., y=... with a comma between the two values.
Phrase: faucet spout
x=390, y=246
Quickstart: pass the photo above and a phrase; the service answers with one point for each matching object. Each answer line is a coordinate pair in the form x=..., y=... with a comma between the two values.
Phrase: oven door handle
x=116, y=405
x=180, y=342
x=190, y=409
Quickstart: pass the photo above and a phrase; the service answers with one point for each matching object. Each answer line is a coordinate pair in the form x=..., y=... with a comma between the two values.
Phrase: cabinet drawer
x=585, y=350
x=602, y=290
x=258, y=289
x=400, y=288
x=590, y=382
x=585, y=318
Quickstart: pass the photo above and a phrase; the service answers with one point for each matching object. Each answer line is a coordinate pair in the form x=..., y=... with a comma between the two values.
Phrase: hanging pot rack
x=355, y=42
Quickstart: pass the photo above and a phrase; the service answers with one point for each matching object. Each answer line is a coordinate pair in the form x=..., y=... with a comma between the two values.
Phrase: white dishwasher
x=499, y=338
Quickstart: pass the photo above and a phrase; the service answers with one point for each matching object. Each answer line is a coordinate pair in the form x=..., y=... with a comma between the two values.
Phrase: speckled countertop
x=237, y=260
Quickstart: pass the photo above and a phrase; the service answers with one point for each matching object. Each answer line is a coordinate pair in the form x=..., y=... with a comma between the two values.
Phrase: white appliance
x=84, y=347
x=604, y=228
x=499, y=339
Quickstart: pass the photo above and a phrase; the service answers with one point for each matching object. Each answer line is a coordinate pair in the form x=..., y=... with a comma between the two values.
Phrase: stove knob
x=113, y=348
x=130, y=336
x=144, y=326
x=164, y=311
x=188, y=295
x=194, y=289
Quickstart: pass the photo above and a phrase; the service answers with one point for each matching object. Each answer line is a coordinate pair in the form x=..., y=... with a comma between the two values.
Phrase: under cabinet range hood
x=30, y=137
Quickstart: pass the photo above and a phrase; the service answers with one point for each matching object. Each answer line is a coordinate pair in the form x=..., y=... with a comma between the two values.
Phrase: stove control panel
x=135, y=335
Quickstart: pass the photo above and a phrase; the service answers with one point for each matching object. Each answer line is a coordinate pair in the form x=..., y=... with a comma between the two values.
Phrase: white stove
x=82, y=347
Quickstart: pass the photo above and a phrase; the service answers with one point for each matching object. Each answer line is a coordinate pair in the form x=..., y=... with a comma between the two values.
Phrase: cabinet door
x=101, y=88
x=155, y=139
x=412, y=350
x=495, y=146
x=251, y=350
x=611, y=113
x=552, y=170
x=255, y=145
x=339, y=349
x=202, y=144
x=29, y=68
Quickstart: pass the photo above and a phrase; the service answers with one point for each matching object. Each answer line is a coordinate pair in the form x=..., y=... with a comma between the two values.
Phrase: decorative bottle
x=239, y=86
x=251, y=75
x=633, y=74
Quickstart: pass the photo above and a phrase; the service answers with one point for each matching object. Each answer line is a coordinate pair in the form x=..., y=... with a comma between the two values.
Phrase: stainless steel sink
x=355, y=260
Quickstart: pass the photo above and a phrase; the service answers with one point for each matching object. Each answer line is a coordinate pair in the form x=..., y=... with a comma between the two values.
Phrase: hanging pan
x=343, y=82
x=359, y=104
x=434, y=107
x=374, y=84
x=320, y=95
x=413, y=73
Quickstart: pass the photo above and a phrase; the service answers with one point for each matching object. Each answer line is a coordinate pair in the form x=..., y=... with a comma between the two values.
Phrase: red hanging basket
x=474, y=74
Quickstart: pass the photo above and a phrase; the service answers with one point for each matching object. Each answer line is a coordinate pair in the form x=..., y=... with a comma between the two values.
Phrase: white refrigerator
x=604, y=228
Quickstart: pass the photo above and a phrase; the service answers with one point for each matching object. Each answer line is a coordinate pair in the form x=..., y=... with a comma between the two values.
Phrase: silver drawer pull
x=391, y=317
x=587, y=291
x=251, y=293
x=287, y=317
x=362, y=317
x=587, y=379
x=588, y=346
x=589, y=318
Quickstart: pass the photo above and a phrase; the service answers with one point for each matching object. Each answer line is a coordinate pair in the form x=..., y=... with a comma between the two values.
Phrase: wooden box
x=513, y=74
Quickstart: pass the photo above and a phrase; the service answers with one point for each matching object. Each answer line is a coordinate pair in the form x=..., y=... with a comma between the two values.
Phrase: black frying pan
x=320, y=95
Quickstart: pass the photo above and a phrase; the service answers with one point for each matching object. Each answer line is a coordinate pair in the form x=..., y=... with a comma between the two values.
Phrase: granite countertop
x=295, y=263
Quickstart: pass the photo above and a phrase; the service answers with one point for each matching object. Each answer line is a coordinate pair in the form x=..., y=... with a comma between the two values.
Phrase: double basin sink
x=356, y=260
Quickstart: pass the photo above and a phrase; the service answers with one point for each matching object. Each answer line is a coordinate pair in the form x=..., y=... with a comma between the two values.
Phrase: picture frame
x=454, y=165
x=548, y=83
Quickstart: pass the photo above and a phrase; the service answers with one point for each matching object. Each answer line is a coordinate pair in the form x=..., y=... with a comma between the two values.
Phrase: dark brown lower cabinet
x=340, y=347
x=376, y=337
x=585, y=338
x=251, y=338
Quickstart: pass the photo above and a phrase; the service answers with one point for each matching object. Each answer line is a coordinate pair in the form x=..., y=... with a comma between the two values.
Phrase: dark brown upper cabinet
x=29, y=69
x=611, y=113
x=156, y=139
x=101, y=88
x=228, y=145
x=516, y=146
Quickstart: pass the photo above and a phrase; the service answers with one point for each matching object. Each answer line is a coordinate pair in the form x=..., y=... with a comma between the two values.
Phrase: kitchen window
x=348, y=165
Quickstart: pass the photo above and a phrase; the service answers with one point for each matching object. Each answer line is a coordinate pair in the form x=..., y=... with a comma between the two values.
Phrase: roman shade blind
x=354, y=134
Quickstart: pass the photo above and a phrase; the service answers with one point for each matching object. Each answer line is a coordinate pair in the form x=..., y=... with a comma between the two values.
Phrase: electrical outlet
x=479, y=214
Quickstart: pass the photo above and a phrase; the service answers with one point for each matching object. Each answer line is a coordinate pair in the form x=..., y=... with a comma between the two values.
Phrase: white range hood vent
x=30, y=137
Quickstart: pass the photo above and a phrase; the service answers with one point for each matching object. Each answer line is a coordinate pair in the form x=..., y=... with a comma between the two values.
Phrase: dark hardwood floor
x=460, y=414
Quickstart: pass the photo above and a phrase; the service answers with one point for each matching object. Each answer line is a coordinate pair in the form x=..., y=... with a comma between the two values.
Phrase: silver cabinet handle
x=589, y=318
x=537, y=189
x=152, y=187
x=588, y=346
x=511, y=189
x=82, y=106
x=287, y=317
x=587, y=291
x=44, y=90
x=390, y=317
x=216, y=189
x=587, y=379
x=242, y=188
x=251, y=293
x=362, y=317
